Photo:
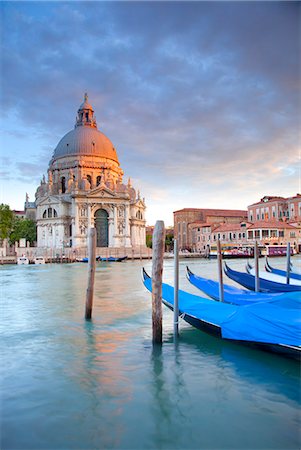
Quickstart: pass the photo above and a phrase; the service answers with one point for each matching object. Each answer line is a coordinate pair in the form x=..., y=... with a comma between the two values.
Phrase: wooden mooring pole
x=176, y=290
x=256, y=257
x=288, y=262
x=220, y=271
x=157, y=270
x=91, y=272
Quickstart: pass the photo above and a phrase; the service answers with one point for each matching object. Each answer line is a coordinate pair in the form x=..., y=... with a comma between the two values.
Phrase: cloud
x=190, y=93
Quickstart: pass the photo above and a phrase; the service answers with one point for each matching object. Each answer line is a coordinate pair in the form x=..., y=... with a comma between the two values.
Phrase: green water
x=70, y=384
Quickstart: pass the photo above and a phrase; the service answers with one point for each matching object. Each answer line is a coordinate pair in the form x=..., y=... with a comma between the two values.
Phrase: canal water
x=69, y=384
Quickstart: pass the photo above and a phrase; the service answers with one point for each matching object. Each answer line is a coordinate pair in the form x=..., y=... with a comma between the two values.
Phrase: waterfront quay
x=68, y=383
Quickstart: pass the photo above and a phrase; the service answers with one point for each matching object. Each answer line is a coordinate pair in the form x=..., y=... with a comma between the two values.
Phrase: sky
x=201, y=99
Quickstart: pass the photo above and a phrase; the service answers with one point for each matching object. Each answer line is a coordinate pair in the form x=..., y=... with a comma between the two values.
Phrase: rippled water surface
x=71, y=384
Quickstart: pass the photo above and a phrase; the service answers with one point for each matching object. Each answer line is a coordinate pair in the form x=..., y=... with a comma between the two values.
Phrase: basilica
x=84, y=188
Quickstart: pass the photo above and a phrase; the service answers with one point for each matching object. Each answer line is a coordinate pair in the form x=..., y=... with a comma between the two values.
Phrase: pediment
x=49, y=200
x=101, y=192
x=140, y=204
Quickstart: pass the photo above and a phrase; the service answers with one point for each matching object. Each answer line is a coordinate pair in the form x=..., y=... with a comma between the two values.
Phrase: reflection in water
x=101, y=384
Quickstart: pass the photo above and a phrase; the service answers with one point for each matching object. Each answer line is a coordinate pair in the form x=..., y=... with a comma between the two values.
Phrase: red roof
x=270, y=224
x=232, y=227
x=216, y=212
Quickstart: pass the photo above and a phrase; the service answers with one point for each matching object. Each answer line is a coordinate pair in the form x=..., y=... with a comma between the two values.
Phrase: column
x=127, y=230
x=89, y=216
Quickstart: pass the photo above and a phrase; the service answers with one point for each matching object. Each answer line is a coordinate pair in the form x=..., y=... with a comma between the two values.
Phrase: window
x=98, y=180
x=63, y=185
x=89, y=180
x=281, y=233
x=49, y=213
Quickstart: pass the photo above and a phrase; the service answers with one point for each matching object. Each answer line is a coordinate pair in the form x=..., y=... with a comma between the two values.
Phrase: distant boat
x=111, y=259
x=277, y=250
x=247, y=280
x=39, y=260
x=232, y=252
x=283, y=273
x=237, y=296
x=22, y=260
x=265, y=326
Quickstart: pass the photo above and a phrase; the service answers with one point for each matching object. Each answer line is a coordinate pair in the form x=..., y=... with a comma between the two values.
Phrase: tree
x=149, y=242
x=23, y=229
x=169, y=242
x=6, y=221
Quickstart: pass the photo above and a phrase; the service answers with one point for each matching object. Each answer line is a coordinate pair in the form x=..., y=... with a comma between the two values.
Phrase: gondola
x=272, y=276
x=293, y=275
x=238, y=296
x=111, y=258
x=265, y=326
x=295, y=269
x=248, y=281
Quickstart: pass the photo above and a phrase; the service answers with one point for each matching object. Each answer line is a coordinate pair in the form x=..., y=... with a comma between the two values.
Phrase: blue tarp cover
x=257, y=323
x=238, y=296
x=248, y=281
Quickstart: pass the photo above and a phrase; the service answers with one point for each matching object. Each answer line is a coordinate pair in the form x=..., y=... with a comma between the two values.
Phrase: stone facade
x=84, y=188
x=187, y=216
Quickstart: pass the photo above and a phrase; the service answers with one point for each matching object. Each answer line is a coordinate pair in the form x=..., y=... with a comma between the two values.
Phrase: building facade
x=184, y=218
x=276, y=208
x=84, y=188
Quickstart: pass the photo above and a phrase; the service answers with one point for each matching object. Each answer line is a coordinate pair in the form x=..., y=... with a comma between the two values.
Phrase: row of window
x=49, y=213
x=265, y=216
x=89, y=178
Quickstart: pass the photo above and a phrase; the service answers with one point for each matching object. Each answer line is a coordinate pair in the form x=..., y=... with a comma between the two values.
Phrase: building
x=205, y=235
x=185, y=218
x=84, y=188
x=276, y=208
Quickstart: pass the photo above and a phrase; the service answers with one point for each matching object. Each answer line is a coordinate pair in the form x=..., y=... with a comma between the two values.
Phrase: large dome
x=85, y=140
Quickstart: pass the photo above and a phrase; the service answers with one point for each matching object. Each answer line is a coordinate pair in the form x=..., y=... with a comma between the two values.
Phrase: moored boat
x=248, y=281
x=22, y=260
x=39, y=260
x=111, y=258
x=264, y=275
x=283, y=273
x=237, y=296
x=265, y=326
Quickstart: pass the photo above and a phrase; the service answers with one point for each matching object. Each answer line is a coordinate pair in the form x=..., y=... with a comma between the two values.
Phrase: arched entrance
x=102, y=228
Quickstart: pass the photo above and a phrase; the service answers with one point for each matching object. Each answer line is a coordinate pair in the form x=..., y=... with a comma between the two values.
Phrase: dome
x=87, y=141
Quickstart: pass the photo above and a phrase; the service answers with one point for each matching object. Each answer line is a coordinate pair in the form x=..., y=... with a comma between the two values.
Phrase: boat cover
x=264, y=275
x=247, y=280
x=283, y=273
x=261, y=322
x=238, y=296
